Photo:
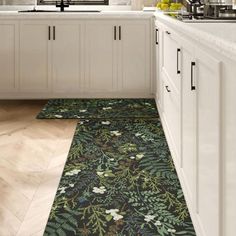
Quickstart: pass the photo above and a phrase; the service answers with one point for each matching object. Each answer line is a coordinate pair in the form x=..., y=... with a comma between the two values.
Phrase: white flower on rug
x=112, y=211
x=100, y=190
x=107, y=173
x=75, y=116
x=139, y=156
x=132, y=157
x=71, y=185
x=138, y=134
x=72, y=172
x=157, y=223
x=171, y=230
x=82, y=111
x=148, y=104
x=100, y=173
x=116, y=133
x=58, y=116
x=149, y=218
x=106, y=122
x=107, y=108
x=117, y=217
x=62, y=190
x=114, y=214
x=112, y=159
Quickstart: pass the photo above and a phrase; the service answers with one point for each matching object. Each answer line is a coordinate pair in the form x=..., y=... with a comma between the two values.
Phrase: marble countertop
x=220, y=37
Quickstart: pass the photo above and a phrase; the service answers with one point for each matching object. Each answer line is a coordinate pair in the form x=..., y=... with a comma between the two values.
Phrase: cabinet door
x=171, y=114
x=35, y=56
x=101, y=57
x=189, y=119
x=8, y=56
x=159, y=82
x=171, y=57
x=66, y=67
x=134, y=56
x=208, y=141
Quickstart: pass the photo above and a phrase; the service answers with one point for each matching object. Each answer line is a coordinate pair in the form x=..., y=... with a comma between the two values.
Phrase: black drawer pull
x=193, y=87
x=167, y=89
x=178, y=51
x=119, y=32
x=49, y=33
x=54, y=33
x=167, y=32
x=114, y=32
x=157, y=36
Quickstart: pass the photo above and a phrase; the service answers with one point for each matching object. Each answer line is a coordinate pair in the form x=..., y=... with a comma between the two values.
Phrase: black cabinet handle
x=167, y=32
x=49, y=32
x=178, y=51
x=114, y=32
x=54, y=33
x=157, y=34
x=119, y=32
x=193, y=87
x=167, y=89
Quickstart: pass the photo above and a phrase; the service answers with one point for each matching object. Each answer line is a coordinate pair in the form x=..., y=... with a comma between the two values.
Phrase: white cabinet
x=159, y=86
x=201, y=136
x=134, y=56
x=8, y=56
x=66, y=56
x=49, y=56
x=101, y=57
x=118, y=58
x=170, y=64
x=54, y=58
x=168, y=87
x=207, y=82
x=189, y=78
x=35, y=61
x=172, y=116
x=189, y=124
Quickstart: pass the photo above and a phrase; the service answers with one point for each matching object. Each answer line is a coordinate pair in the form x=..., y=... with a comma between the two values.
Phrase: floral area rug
x=119, y=180
x=98, y=108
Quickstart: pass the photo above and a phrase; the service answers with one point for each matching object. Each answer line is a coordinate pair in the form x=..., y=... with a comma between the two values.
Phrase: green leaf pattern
x=119, y=180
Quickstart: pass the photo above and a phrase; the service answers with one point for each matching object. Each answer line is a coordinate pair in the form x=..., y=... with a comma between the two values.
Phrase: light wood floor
x=32, y=156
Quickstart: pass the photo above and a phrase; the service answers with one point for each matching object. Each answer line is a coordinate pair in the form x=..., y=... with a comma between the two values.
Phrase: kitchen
x=184, y=59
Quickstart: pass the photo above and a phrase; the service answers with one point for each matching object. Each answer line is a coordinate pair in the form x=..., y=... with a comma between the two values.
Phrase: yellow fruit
x=164, y=6
x=165, y=1
x=175, y=6
x=159, y=5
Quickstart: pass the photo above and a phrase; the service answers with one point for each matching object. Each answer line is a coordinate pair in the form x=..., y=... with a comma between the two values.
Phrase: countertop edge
x=227, y=48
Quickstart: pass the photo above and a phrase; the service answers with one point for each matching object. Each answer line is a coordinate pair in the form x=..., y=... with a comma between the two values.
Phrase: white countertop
x=220, y=37
x=106, y=12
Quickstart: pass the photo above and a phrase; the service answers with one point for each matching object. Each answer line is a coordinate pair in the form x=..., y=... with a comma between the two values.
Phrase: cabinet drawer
x=171, y=111
x=171, y=58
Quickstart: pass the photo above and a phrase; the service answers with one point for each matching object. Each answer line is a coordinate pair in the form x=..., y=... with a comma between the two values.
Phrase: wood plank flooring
x=32, y=156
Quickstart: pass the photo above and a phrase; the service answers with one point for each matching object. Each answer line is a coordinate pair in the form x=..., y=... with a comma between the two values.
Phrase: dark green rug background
x=119, y=179
x=98, y=109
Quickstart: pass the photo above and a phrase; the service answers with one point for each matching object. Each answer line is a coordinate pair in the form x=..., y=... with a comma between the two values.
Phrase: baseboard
x=13, y=96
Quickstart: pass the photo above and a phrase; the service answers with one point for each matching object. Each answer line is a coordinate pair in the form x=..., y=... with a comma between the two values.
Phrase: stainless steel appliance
x=207, y=11
x=219, y=9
